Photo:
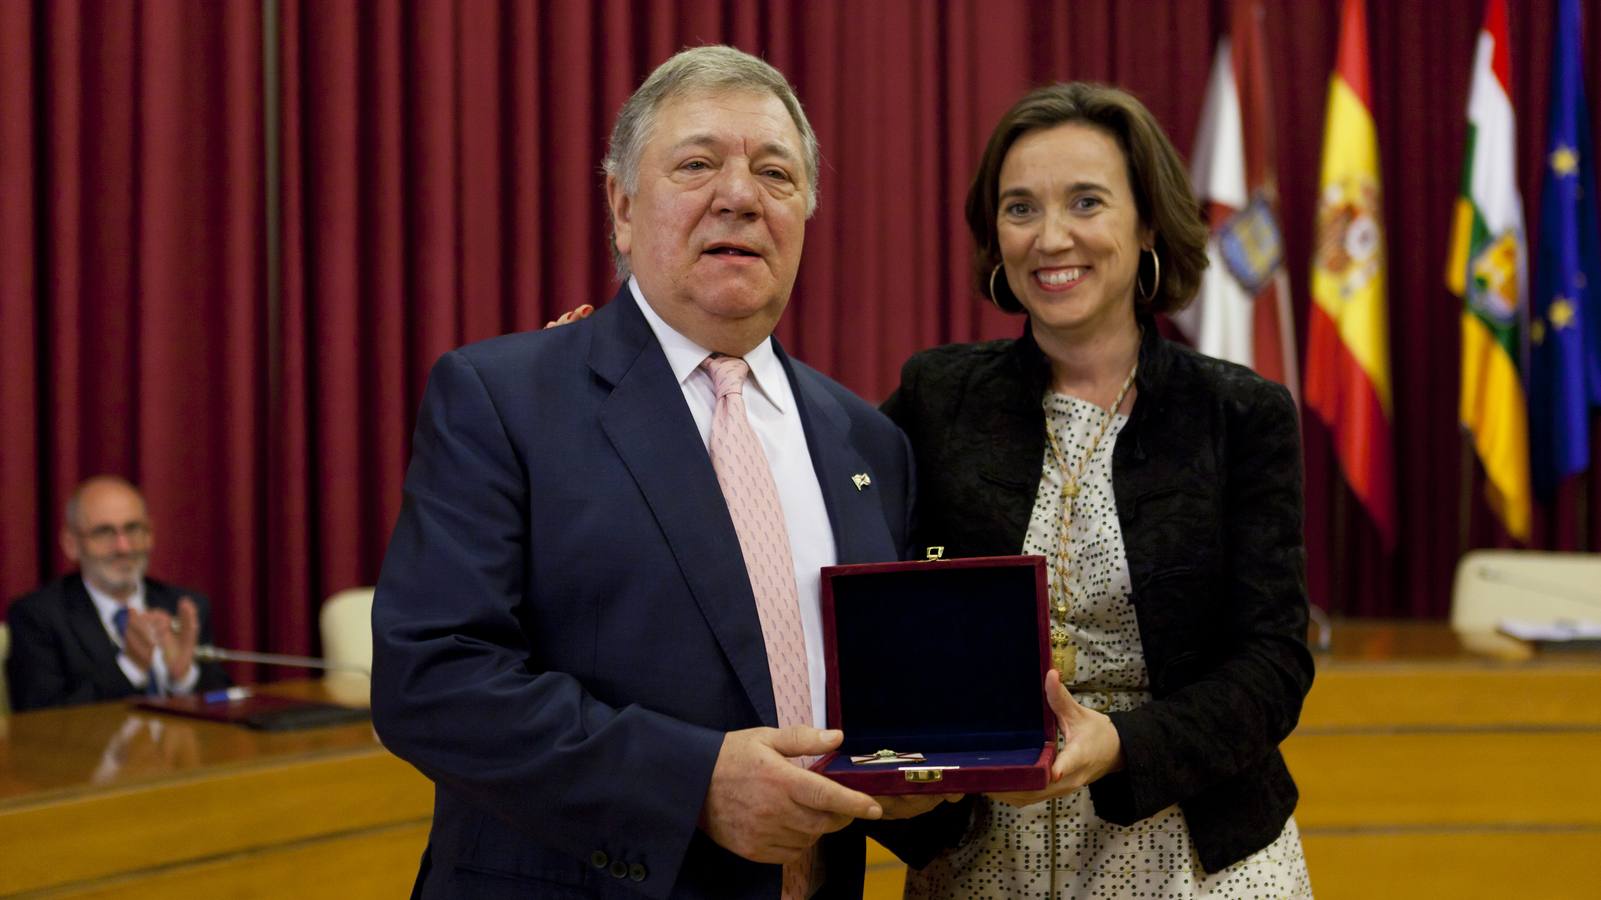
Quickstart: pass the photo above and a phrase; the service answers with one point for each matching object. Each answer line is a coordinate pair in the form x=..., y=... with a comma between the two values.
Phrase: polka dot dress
x=1006, y=853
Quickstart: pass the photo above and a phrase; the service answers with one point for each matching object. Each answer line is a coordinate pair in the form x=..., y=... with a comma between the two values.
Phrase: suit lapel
x=84, y=620
x=655, y=436
x=855, y=514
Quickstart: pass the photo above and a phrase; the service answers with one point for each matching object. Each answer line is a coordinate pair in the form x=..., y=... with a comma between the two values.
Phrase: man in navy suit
x=566, y=638
x=107, y=631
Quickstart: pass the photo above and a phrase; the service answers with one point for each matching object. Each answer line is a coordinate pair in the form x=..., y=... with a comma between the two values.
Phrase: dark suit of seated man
x=107, y=631
x=575, y=635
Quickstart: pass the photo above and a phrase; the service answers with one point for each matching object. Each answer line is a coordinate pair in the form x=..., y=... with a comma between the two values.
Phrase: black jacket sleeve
x=1243, y=696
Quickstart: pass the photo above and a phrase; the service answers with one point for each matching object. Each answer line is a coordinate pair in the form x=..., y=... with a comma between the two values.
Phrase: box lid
x=944, y=655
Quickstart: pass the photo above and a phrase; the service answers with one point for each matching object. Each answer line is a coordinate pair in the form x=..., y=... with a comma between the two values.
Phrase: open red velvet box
x=946, y=659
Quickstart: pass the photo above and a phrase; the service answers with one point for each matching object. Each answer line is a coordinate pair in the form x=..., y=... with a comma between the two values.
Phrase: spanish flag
x=1488, y=269
x=1348, y=338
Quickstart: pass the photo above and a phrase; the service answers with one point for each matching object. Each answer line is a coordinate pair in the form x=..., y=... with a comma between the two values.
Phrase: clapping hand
x=144, y=635
x=179, y=639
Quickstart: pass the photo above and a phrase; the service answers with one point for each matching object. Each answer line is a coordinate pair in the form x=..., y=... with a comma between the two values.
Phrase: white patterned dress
x=1007, y=852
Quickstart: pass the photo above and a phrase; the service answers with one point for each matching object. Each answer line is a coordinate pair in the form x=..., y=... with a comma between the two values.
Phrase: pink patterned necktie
x=752, y=498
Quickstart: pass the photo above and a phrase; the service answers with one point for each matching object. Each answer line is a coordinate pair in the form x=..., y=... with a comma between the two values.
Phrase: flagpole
x=1581, y=498
x=1464, y=491
x=1342, y=555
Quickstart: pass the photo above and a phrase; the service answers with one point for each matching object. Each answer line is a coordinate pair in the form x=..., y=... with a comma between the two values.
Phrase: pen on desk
x=226, y=696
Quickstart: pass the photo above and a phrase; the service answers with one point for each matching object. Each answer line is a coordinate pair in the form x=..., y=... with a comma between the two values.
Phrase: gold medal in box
x=886, y=757
x=936, y=674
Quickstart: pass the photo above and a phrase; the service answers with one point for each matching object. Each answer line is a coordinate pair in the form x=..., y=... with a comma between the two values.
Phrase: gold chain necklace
x=1064, y=655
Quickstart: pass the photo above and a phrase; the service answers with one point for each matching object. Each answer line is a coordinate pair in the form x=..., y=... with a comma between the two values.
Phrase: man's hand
x=905, y=806
x=179, y=639
x=144, y=635
x=769, y=810
x=1092, y=747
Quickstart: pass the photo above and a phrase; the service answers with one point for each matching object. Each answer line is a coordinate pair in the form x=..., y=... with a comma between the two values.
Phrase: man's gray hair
x=72, y=510
x=708, y=69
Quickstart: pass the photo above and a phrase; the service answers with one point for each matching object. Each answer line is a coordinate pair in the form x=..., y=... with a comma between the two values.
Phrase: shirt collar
x=107, y=605
x=684, y=356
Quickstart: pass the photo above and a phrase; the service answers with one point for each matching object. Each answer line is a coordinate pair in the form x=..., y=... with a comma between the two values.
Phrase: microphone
x=209, y=653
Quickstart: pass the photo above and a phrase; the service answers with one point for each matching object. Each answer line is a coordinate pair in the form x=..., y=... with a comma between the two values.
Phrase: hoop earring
x=993, y=298
x=1156, y=264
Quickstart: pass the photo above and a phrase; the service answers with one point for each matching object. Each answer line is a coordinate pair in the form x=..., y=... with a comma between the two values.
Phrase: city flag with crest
x=1242, y=311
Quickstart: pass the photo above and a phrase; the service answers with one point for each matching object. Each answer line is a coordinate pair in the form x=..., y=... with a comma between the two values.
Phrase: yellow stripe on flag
x=1494, y=409
x=1456, y=267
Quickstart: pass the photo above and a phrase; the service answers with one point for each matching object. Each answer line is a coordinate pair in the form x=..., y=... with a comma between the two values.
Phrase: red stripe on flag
x=1251, y=76
x=1217, y=213
x=1495, y=22
x=1352, y=64
x=1268, y=353
x=1272, y=320
x=1339, y=392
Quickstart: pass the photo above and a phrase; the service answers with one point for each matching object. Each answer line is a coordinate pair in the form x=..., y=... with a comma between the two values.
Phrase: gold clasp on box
x=934, y=553
x=924, y=775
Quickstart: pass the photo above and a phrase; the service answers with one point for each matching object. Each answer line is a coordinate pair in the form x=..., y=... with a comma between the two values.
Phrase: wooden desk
x=1427, y=768
x=107, y=800
x=1430, y=769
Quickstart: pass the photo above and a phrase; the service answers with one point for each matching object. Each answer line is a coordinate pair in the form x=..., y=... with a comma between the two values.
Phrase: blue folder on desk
x=264, y=712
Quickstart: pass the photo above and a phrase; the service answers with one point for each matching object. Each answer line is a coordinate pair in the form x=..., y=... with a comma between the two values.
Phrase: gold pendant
x=1064, y=655
x=1064, y=659
x=1070, y=489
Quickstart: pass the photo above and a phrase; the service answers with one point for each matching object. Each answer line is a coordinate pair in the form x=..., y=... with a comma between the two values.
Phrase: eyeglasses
x=105, y=535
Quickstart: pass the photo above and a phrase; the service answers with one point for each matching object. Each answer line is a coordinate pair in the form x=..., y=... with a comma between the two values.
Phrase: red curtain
x=132, y=302
x=435, y=181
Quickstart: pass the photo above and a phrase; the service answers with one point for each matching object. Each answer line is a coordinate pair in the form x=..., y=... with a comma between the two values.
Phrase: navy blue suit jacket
x=61, y=654
x=564, y=628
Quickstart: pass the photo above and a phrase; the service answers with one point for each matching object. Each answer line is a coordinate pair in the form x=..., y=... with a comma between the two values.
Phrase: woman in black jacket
x=1165, y=489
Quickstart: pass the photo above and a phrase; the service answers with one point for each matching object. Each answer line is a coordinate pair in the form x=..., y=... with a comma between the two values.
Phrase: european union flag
x=1565, y=333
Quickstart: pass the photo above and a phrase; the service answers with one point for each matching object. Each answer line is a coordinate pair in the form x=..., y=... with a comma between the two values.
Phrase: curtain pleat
x=25, y=525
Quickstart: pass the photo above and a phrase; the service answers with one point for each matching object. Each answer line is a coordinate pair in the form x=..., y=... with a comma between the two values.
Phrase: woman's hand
x=571, y=315
x=1092, y=747
x=905, y=806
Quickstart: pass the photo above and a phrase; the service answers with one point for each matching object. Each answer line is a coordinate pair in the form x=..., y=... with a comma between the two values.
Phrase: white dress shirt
x=107, y=606
x=776, y=420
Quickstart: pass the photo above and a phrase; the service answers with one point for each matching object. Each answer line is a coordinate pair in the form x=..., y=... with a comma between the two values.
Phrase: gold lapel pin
x=861, y=480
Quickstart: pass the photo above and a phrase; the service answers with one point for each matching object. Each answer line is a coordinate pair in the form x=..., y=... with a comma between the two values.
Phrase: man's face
x=714, y=230
x=111, y=539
